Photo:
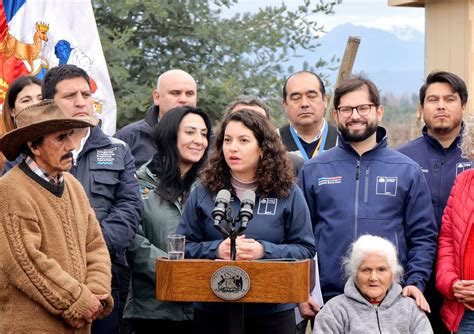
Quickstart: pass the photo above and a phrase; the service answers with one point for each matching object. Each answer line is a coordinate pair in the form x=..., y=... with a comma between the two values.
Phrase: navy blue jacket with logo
x=105, y=167
x=383, y=193
x=440, y=167
x=282, y=225
x=138, y=136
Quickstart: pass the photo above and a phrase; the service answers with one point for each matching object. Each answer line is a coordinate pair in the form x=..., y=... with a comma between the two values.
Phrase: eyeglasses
x=362, y=109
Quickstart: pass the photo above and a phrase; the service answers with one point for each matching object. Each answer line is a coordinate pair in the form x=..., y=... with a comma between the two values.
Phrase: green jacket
x=160, y=218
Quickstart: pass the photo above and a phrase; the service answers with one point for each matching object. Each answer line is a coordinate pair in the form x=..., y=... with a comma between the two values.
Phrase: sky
x=375, y=14
x=369, y=13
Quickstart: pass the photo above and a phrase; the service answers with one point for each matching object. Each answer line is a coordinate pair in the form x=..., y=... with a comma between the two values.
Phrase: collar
x=56, y=190
x=151, y=116
x=97, y=139
x=381, y=138
x=35, y=168
x=75, y=153
x=317, y=137
x=394, y=292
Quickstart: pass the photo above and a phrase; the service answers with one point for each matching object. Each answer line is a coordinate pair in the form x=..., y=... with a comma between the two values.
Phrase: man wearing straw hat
x=55, y=270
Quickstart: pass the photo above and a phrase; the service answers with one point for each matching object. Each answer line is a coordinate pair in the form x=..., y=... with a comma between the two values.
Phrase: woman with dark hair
x=248, y=155
x=181, y=139
x=23, y=92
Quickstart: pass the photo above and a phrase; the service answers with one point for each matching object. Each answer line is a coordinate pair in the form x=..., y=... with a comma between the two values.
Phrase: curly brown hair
x=467, y=141
x=274, y=172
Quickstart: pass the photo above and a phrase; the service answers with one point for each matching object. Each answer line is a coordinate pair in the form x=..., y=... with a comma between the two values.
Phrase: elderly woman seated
x=372, y=300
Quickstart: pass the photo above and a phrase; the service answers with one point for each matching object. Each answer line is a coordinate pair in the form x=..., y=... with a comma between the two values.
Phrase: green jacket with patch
x=160, y=218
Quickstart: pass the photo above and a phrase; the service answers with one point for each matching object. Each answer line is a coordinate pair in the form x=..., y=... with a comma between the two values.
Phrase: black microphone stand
x=231, y=231
x=236, y=310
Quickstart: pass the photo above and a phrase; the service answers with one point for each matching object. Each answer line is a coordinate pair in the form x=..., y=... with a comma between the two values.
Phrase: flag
x=36, y=35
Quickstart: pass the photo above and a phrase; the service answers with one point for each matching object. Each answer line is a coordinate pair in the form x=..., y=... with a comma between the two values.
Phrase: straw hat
x=36, y=121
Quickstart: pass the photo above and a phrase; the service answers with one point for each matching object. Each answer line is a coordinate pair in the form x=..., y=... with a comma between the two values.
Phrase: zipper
x=366, y=185
x=356, y=198
x=378, y=320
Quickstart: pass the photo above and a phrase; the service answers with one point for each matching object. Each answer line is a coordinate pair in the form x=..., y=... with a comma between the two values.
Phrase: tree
x=228, y=56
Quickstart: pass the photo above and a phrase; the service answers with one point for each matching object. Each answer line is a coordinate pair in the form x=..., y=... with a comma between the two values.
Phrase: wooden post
x=345, y=69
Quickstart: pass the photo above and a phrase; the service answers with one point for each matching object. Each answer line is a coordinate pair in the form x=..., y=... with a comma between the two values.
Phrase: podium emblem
x=230, y=283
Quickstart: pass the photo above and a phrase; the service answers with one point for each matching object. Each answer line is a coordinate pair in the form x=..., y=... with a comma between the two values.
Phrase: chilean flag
x=36, y=35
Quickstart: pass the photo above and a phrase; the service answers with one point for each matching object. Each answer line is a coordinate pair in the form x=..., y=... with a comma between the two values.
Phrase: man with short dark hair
x=361, y=186
x=56, y=270
x=305, y=102
x=105, y=167
x=174, y=88
x=443, y=101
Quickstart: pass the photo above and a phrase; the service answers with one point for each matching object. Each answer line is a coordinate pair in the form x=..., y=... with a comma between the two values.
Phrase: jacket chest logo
x=462, y=166
x=106, y=156
x=267, y=206
x=386, y=185
x=329, y=180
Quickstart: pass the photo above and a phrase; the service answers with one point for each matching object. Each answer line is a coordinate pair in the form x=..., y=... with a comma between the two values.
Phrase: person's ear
x=156, y=97
x=33, y=149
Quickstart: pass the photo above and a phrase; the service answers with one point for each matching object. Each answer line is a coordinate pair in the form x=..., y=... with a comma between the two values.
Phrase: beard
x=358, y=137
x=443, y=129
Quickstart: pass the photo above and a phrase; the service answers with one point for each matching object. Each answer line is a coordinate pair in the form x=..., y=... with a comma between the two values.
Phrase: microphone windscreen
x=223, y=196
x=248, y=196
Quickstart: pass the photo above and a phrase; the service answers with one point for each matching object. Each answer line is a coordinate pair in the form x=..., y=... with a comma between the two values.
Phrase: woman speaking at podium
x=248, y=156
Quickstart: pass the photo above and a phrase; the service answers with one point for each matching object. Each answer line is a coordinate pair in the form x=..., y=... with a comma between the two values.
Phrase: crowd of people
x=86, y=215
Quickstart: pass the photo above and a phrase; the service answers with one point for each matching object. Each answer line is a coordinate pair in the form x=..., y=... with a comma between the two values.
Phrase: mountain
x=393, y=60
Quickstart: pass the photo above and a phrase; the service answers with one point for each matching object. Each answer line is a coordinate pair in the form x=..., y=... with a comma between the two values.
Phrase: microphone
x=246, y=208
x=221, y=203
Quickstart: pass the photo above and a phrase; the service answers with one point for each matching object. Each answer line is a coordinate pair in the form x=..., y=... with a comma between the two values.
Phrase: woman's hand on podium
x=249, y=249
x=223, y=251
x=246, y=249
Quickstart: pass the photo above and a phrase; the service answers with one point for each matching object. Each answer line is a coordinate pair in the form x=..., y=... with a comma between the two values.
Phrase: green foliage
x=246, y=53
x=399, y=109
x=400, y=118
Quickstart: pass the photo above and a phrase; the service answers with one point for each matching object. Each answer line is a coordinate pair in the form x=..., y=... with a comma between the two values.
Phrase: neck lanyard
x=319, y=147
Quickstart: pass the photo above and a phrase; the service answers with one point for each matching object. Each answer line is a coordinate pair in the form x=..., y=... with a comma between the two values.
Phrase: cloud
x=368, y=13
x=374, y=14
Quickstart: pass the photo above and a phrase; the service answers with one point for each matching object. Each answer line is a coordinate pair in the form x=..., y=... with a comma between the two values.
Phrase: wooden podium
x=265, y=281
x=270, y=281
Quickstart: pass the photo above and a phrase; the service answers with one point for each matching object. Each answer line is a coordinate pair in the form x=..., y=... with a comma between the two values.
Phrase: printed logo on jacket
x=267, y=206
x=329, y=180
x=106, y=156
x=387, y=185
x=462, y=166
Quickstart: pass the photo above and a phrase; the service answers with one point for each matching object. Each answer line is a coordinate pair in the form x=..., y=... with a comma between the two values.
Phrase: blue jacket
x=440, y=167
x=7, y=164
x=282, y=225
x=138, y=136
x=382, y=193
x=105, y=167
